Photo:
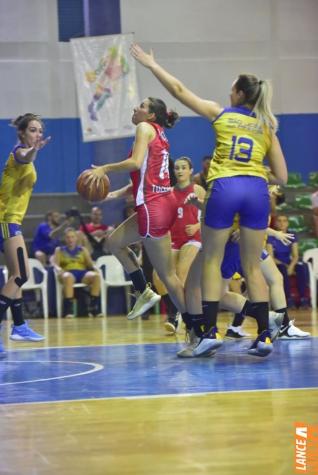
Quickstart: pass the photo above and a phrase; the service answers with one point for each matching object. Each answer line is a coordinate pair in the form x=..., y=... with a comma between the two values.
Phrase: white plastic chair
x=31, y=284
x=59, y=294
x=112, y=275
x=311, y=258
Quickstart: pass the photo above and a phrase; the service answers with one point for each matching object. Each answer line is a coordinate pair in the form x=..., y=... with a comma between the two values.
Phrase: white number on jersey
x=164, y=170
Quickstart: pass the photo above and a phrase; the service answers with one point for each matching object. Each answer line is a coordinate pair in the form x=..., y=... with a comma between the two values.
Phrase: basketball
x=96, y=191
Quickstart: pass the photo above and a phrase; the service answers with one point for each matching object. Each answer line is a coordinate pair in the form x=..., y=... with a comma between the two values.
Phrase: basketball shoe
x=25, y=333
x=262, y=346
x=192, y=340
x=291, y=332
x=173, y=325
x=209, y=341
x=144, y=302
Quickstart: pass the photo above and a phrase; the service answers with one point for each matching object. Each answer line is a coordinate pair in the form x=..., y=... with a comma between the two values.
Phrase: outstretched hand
x=40, y=143
x=146, y=59
x=285, y=238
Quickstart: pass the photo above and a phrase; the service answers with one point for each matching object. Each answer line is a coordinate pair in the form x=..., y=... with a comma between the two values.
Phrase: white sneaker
x=275, y=321
x=209, y=342
x=191, y=342
x=290, y=332
x=144, y=302
x=173, y=326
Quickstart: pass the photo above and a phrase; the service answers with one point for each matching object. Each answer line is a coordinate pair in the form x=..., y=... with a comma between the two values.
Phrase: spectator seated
x=73, y=265
x=47, y=236
x=292, y=269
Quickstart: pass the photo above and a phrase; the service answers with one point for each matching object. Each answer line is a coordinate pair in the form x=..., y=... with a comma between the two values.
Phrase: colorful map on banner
x=106, y=86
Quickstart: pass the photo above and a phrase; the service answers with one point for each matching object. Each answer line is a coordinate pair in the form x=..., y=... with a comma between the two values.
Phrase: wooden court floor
x=109, y=396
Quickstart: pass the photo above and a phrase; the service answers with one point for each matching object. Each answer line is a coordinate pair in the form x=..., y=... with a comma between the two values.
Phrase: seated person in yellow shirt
x=73, y=264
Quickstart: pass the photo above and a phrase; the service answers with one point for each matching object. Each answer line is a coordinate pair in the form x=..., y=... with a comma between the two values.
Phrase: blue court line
x=63, y=374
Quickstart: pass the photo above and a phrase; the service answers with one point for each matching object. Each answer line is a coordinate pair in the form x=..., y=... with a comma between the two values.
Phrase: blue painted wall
x=66, y=156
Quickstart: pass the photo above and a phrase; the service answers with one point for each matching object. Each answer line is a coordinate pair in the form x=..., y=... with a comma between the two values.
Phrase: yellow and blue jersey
x=16, y=187
x=241, y=144
x=73, y=259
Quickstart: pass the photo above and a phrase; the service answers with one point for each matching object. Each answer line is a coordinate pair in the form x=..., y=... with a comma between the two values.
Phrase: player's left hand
x=40, y=143
x=285, y=238
x=190, y=229
x=192, y=199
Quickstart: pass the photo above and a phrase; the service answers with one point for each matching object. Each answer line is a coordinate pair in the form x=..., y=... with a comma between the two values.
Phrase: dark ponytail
x=164, y=117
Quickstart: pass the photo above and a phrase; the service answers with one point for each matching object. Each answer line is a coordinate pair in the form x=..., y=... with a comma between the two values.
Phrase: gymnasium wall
x=206, y=43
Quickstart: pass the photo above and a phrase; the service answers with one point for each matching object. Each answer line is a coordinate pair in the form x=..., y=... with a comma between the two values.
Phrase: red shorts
x=156, y=217
x=195, y=240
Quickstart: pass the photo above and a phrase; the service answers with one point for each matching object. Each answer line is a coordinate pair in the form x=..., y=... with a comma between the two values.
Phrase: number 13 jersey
x=241, y=144
x=153, y=179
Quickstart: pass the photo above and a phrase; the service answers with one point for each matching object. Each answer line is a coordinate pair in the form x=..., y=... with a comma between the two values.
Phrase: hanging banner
x=106, y=85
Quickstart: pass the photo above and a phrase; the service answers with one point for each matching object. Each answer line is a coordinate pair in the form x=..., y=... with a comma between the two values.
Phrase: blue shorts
x=7, y=231
x=232, y=261
x=246, y=196
x=78, y=274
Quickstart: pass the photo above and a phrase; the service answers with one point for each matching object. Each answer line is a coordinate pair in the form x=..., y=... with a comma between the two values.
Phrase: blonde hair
x=258, y=94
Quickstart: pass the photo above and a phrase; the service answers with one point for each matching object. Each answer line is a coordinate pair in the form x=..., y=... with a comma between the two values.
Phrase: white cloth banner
x=106, y=86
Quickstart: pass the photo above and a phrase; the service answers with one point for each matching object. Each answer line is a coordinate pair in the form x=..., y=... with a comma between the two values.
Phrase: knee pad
x=23, y=275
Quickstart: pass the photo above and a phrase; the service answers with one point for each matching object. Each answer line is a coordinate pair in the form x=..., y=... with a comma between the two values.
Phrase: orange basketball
x=96, y=191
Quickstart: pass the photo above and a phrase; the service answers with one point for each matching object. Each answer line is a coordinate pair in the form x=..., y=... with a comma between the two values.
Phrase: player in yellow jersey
x=245, y=135
x=16, y=186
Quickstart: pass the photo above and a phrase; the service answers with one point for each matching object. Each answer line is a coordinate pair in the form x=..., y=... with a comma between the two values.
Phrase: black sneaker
x=262, y=346
x=235, y=333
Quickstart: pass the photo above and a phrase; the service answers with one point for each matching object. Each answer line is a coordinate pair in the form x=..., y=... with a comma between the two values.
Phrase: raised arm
x=28, y=155
x=177, y=89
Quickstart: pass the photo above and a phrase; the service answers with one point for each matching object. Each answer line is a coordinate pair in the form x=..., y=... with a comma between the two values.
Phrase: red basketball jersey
x=187, y=214
x=153, y=180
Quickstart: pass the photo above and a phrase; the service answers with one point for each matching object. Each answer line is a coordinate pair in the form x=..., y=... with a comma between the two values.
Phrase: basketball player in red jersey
x=185, y=233
x=148, y=164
